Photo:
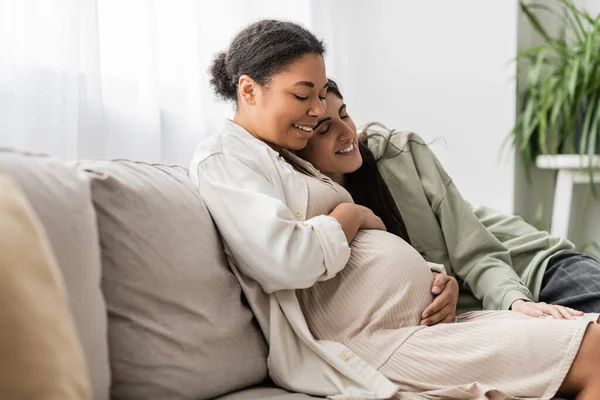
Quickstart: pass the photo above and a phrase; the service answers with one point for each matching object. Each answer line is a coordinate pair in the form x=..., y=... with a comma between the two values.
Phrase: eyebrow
x=309, y=84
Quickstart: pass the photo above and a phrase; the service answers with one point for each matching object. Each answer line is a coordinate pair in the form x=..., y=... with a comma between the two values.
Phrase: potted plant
x=560, y=111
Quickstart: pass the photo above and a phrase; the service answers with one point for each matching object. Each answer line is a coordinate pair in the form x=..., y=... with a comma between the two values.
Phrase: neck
x=246, y=123
x=338, y=178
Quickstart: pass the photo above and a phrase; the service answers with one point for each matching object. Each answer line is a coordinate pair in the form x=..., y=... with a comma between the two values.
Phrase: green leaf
x=534, y=21
x=577, y=14
x=571, y=17
x=529, y=124
x=589, y=46
x=556, y=125
x=585, y=131
x=547, y=89
x=573, y=76
x=533, y=77
x=537, y=6
x=575, y=27
x=591, y=151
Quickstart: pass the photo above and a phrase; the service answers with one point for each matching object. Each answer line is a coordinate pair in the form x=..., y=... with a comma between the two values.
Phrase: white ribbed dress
x=373, y=307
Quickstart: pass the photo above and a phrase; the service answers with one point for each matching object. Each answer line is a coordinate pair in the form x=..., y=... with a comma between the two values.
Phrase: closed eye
x=342, y=112
x=300, y=97
x=326, y=130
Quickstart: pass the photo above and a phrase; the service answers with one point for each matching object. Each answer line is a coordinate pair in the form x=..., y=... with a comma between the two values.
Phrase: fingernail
x=435, y=290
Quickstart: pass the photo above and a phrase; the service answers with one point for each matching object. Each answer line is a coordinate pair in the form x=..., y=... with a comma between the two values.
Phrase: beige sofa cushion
x=177, y=326
x=40, y=353
x=266, y=393
x=62, y=202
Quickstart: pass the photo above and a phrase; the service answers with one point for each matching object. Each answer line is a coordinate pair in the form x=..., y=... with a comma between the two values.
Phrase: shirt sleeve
x=476, y=256
x=439, y=268
x=267, y=242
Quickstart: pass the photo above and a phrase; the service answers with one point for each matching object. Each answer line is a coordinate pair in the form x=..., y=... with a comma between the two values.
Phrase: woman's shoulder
x=232, y=142
x=225, y=151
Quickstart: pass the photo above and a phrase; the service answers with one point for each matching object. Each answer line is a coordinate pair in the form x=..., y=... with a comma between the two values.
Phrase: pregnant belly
x=386, y=285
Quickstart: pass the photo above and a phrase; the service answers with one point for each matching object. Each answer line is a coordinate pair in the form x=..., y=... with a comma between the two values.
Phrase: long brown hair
x=367, y=187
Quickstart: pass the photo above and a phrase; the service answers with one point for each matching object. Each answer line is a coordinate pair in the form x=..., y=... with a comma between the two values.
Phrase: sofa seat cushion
x=266, y=393
x=177, y=325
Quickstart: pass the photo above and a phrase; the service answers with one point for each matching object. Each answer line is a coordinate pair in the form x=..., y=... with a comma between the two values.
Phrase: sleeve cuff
x=336, y=250
x=439, y=268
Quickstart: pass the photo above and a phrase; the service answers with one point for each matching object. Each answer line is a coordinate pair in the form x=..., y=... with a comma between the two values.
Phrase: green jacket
x=496, y=258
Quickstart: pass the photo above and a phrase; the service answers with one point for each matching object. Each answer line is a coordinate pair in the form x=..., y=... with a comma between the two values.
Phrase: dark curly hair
x=260, y=51
x=368, y=188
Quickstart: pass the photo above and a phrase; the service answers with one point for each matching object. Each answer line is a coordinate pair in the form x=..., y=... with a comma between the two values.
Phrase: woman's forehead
x=333, y=104
x=308, y=72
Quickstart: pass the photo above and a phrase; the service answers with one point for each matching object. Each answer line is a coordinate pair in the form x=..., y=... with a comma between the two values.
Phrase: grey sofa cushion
x=62, y=201
x=266, y=393
x=177, y=325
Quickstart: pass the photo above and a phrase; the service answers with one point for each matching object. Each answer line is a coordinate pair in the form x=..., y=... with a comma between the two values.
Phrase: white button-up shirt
x=259, y=203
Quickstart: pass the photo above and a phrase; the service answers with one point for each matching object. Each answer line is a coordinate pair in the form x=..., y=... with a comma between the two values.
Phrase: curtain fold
x=118, y=79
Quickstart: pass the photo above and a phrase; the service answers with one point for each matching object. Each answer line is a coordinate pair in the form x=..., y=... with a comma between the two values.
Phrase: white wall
x=439, y=68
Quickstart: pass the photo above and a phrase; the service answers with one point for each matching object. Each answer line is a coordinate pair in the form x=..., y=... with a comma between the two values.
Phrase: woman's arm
x=483, y=262
x=480, y=261
x=262, y=234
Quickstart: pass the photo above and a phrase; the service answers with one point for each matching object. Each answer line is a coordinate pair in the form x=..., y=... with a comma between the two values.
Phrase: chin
x=350, y=166
x=355, y=164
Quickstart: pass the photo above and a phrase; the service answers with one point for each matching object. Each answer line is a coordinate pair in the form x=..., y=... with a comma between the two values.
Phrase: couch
x=157, y=311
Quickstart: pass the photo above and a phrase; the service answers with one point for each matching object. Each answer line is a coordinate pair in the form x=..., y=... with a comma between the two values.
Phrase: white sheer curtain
x=118, y=78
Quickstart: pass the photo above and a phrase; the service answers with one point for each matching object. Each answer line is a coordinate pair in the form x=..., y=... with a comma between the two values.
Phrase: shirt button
x=345, y=356
x=298, y=213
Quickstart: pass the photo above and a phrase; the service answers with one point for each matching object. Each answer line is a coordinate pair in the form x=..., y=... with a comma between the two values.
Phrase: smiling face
x=333, y=149
x=284, y=113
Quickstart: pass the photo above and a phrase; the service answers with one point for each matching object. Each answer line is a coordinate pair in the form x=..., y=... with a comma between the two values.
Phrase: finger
x=575, y=312
x=439, y=303
x=527, y=309
x=564, y=312
x=436, y=318
x=439, y=283
x=550, y=309
x=450, y=319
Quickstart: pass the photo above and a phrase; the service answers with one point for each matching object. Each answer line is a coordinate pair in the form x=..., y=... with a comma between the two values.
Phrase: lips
x=304, y=127
x=348, y=149
x=303, y=131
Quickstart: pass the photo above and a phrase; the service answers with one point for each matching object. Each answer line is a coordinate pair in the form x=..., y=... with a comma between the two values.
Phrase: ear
x=247, y=89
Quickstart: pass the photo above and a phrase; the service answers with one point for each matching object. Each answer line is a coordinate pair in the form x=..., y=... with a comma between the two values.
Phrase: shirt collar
x=231, y=128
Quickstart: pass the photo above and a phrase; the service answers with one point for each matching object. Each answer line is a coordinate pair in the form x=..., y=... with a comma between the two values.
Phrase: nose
x=317, y=108
x=346, y=133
